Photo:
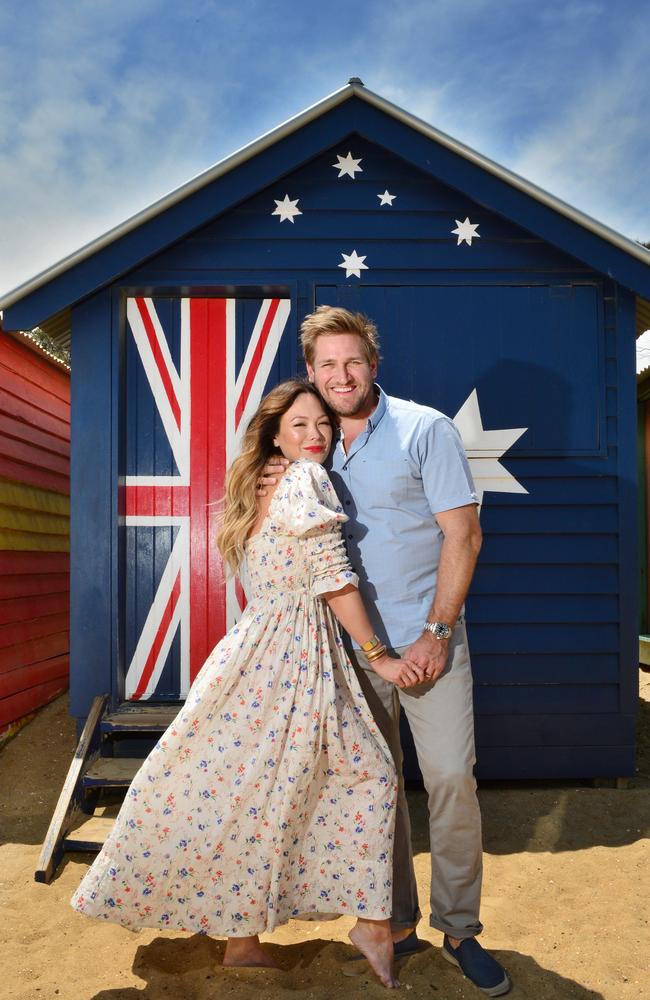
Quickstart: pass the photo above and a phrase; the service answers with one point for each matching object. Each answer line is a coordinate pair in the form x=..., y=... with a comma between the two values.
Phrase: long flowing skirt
x=272, y=793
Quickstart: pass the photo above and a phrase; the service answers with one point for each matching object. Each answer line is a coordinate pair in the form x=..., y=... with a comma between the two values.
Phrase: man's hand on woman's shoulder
x=271, y=473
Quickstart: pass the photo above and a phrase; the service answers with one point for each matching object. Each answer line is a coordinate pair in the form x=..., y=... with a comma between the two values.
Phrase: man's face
x=343, y=375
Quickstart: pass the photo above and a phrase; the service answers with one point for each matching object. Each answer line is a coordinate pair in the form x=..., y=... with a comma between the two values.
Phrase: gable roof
x=125, y=246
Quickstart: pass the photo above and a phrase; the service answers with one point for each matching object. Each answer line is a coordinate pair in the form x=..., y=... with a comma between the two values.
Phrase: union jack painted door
x=196, y=369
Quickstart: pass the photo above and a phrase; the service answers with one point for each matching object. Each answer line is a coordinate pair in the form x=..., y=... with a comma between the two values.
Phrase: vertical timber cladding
x=196, y=369
x=543, y=608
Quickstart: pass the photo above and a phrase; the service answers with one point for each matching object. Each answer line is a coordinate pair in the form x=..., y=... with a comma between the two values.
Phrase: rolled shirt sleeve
x=446, y=476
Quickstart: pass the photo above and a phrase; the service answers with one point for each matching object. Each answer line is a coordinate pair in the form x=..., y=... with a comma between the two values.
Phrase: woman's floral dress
x=272, y=794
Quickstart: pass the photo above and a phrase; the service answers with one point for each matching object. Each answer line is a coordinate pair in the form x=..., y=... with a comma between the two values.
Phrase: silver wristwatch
x=438, y=629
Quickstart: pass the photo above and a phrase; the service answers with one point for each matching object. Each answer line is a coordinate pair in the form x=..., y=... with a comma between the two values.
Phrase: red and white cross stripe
x=204, y=409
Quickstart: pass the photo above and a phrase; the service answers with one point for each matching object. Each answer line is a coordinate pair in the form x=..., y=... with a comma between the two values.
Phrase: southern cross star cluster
x=484, y=447
x=354, y=263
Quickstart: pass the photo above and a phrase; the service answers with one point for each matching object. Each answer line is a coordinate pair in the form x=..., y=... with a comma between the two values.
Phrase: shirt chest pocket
x=393, y=482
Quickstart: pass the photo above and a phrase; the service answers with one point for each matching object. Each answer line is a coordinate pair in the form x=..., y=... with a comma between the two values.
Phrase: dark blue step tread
x=111, y=772
x=140, y=720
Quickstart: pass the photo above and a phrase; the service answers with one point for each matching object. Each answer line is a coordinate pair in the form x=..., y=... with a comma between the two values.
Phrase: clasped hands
x=422, y=663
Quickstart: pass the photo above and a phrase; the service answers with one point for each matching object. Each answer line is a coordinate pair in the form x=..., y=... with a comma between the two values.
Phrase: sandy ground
x=566, y=901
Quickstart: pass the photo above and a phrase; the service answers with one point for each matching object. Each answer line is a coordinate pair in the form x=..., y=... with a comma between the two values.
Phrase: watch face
x=440, y=629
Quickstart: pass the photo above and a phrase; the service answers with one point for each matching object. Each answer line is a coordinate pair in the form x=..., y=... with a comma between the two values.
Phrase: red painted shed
x=34, y=528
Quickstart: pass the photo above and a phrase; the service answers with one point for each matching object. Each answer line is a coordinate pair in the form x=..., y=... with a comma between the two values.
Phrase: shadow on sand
x=191, y=968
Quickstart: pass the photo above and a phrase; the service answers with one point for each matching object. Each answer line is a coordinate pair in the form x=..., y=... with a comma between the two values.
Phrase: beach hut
x=497, y=303
x=34, y=526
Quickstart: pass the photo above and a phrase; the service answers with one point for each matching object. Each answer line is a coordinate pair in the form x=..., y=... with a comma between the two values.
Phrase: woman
x=272, y=793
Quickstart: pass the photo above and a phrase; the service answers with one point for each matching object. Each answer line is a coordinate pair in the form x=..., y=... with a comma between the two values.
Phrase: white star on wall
x=286, y=208
x=386, y=198
x=485, y=448
x=353, y=264
x=466, y=232
x=347, y=165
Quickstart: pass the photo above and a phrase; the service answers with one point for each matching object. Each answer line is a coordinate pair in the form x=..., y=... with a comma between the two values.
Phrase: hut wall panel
x=96, y=348
x=31, y=628
x=546, y=668
x=22, y=409
x=33, y=650
x=42, y=564
x=34, y=475
x=41, y=603
x=539, y=729
x=23, y=388
x=37, y=369
x=542, y=339
x=572, y=759
x=21, y=431
x=562, y=699
x=34, y=530
x=18, y=705
x=551, y=579
x=32, y=540
x=24, y=585
x=28, y=454
x=319, y=257
x=621, y=315
x=24, y=679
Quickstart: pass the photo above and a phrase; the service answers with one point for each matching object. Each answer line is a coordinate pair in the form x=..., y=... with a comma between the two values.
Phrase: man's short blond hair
x=329, y=320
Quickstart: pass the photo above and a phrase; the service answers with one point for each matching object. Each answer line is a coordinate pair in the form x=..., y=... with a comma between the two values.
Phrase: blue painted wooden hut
x=496, y=302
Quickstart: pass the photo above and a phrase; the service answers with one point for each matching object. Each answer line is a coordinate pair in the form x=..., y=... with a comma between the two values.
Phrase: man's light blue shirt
x=407, y=466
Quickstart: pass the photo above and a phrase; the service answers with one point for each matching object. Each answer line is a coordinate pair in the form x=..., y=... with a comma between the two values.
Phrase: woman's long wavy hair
x=240, y=504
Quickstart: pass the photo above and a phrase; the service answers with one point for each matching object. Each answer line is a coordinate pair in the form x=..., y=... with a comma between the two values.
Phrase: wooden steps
x=139, y=720
x=110, y=752
x=90, y=835
x=644, y=650
x=111, y=772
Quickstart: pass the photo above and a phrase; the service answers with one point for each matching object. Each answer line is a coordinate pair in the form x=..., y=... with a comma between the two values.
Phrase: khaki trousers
x=441, y=719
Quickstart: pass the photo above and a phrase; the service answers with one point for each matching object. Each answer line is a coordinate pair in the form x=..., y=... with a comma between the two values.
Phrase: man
x=413, y=537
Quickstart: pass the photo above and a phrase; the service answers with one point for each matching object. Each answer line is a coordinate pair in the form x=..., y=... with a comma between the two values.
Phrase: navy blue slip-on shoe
x=478, y=966
x=407, y=946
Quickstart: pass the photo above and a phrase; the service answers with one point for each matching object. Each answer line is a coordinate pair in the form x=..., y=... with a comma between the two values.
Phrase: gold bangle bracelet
x=376, y=653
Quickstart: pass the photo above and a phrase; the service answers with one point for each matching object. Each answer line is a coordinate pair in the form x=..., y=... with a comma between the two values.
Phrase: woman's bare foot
x=247, y=952
x=373, y=938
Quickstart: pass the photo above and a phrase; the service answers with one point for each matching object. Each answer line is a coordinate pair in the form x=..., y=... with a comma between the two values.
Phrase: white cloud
x=108, y=106
x=96, y=130
x=594, y=153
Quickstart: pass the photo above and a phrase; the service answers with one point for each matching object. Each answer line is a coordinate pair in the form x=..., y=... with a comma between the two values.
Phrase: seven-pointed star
x=386, y=198
x=485, y=448
x=466, y=231
x=347, y=165
x=353, y=264
x=286, y=208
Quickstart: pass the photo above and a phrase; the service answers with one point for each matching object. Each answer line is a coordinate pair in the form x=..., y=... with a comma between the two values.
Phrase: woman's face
x=305, y=430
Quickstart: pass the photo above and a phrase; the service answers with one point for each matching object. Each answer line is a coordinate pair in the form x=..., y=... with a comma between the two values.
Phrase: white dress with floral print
x=272, y=794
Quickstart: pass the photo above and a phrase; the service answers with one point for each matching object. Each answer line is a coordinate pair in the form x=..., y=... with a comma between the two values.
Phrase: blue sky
x=107, y=105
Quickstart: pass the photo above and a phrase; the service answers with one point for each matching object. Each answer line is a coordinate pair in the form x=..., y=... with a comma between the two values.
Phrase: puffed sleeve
x=308, y=508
